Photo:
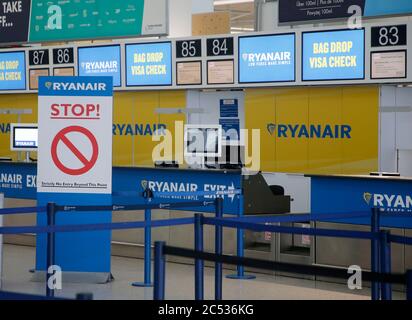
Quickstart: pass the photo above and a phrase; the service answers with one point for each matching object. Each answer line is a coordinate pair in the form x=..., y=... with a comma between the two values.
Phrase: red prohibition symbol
x=87, y=163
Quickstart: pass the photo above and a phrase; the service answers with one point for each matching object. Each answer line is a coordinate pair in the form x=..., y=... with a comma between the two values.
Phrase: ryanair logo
x=187, y=188
x=313, y=131
x=367, y=197
x=100, y=66
x=268, y=58
x=389, y=202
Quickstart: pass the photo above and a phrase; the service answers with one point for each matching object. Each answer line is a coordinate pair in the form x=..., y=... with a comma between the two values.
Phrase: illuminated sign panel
x=149, y=64
x=269, y=58
x=333, y=55
x=100, y=61
x=12, y=71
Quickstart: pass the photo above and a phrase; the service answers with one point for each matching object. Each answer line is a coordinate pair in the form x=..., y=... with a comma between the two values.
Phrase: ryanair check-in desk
x=357, y=193
x=18, y=185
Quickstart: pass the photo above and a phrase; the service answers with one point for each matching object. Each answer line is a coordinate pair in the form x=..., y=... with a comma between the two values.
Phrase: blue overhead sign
x=100, y=61
x=13, y=70
x=149, y=64
x=268, y=58
x=333, y=55
x=375, y=8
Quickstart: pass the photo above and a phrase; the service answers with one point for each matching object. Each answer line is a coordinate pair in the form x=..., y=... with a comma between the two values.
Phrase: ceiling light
x=228, y=2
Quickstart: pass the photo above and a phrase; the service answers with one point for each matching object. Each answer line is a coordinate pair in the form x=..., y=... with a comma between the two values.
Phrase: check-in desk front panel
x=21, y=191
x=333, y=194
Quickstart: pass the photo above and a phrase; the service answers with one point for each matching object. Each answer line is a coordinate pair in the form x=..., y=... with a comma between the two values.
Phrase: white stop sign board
x=75, y=117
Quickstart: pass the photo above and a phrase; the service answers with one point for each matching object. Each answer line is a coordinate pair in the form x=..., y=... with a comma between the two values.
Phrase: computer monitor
x=203, y=140
x=23, y=137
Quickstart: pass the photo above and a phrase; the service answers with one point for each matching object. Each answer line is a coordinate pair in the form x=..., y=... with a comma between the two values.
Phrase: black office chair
x=277, y=190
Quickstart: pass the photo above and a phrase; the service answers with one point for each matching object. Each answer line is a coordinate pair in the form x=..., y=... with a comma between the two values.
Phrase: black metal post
x=51, y=242
x=218, y=250
x=199, y=264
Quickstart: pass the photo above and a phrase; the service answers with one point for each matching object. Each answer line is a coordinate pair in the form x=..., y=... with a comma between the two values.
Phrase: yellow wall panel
x=291, y=110
x=144, y=110
x=123, y=114
x=349, y=115
x=325, y=154
x=19, y=101
x=259, y=110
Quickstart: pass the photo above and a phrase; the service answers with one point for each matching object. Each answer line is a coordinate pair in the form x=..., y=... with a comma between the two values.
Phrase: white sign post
x=75, y=168
x=75, y=140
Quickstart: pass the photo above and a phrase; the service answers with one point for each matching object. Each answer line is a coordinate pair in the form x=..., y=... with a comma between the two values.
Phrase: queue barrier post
x=147, y=244
x=385, y=247
x=84, y=296
x=199, y=264
x=409, y=285
x=159, y=271
x=218, y=250
x=375, y=252
x=240, y=246
x=51, y=243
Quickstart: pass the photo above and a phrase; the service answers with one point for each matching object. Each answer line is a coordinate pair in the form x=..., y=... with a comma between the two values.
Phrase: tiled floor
x=179, y=284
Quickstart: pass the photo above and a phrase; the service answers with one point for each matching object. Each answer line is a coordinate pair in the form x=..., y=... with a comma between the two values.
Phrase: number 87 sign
x=75, y=139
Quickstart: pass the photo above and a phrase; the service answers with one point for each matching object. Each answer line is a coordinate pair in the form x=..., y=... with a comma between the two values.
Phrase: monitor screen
x=149, y=64
x=100, y=61
x=333, y=55
x=203, y=141
x=12, y=71
x=24, y=137
x=268, y=58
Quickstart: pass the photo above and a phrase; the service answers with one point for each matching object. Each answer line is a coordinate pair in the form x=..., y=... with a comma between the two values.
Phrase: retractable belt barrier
x=380, y=240
x=161, y=250
x=380, y=274
x=51, y=229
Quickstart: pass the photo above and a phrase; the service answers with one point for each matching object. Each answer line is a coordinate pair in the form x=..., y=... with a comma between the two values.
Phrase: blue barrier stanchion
x=375, y=252
x=240, y=249
x=218, y=250
x=409, y=285
x=147, y=245
x=385, y=246
x=159, y=271
x=199, y=264
x=51, y=242
x=84, y=296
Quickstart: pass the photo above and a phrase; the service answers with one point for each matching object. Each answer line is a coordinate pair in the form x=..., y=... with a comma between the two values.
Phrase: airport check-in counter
x=258, y=199
x=340, y=193
x=263, y=199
